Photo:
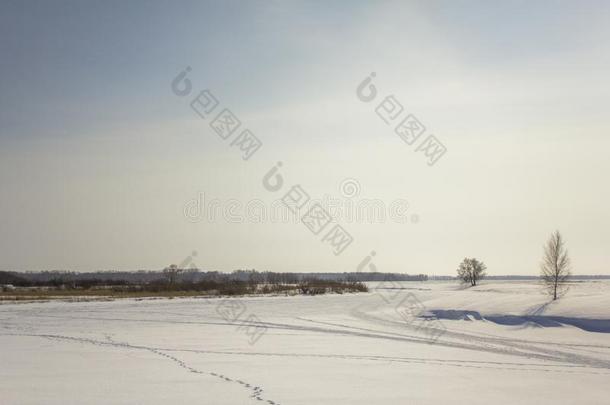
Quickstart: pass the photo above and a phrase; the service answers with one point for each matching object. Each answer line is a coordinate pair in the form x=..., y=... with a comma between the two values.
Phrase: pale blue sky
x=98, y=157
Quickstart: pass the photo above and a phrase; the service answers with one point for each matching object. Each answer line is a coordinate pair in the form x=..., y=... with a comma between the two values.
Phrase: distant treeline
x=25, y=279
x=59, y=277
x=573, y=277
x=174, y=281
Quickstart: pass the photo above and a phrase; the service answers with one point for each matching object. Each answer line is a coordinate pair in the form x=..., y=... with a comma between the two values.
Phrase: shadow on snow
x=589, y=325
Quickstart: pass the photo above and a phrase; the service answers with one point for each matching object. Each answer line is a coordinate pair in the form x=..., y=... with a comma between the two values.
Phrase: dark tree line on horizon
x=172, y=275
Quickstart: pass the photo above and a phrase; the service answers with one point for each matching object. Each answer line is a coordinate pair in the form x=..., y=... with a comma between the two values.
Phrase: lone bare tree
x=471, y=271
x=555, y=267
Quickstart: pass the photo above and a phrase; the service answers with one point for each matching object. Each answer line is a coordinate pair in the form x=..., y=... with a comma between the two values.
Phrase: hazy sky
x=99, y=158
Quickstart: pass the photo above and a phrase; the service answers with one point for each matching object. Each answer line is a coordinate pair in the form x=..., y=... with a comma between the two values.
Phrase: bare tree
x=171, y=273
x=555, y=267
x=471, y=271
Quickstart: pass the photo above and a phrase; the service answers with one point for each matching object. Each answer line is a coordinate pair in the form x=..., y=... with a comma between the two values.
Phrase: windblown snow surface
x=402, y=343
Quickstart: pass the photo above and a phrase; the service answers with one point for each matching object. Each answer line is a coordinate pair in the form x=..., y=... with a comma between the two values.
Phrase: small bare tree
x=471, y=271
x=171, y=273
x=555, y=267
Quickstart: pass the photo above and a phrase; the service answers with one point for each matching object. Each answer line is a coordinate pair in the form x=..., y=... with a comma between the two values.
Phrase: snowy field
x=498, y=343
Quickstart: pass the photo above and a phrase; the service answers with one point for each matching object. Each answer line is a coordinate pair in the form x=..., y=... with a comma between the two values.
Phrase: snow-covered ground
x=498, y=343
